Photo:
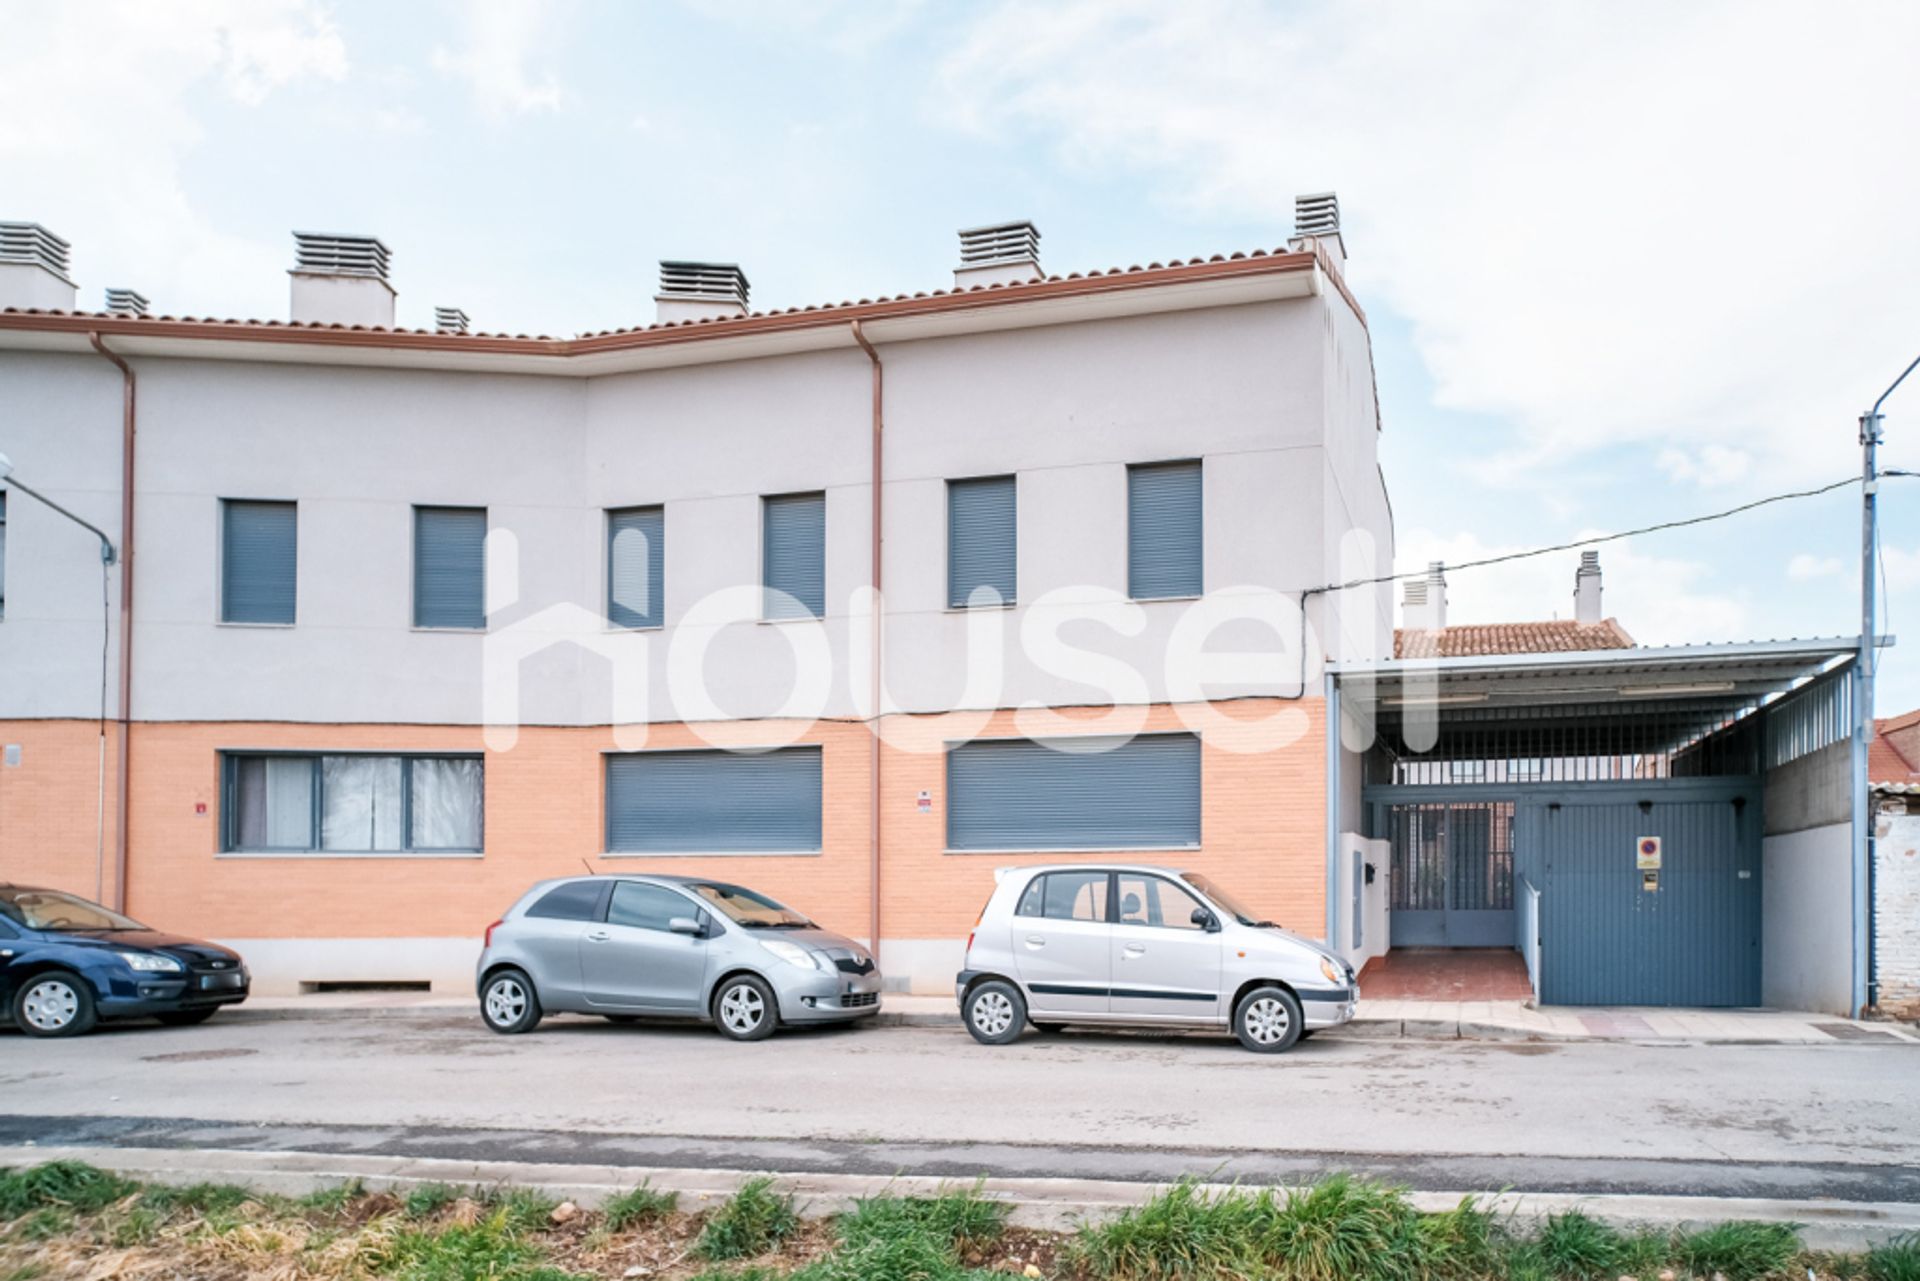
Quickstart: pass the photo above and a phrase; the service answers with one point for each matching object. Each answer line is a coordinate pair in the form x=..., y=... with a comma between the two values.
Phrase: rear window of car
x=1066, y=896
x=574, y=901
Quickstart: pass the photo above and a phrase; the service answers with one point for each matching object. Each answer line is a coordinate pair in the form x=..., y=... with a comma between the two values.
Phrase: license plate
x=221, y=982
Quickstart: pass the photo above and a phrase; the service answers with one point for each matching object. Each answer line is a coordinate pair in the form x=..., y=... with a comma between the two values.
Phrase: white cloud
x=1630, y=223
x=1709, y=466
x=500, y=38
x=101, y=164
x=1805, y=567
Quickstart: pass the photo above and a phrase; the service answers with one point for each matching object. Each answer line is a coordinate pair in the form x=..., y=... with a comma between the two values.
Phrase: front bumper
x=820, y=997
x=146, y=995
x=1329, y=1007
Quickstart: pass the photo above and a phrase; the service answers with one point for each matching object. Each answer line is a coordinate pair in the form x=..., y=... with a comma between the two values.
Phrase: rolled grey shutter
x=258, y=562
x=795, y=555
x=1024, y=794
x=714, y=801
x=981, y=539
x=1163, y=531
x=636, y=566
x=449, y=567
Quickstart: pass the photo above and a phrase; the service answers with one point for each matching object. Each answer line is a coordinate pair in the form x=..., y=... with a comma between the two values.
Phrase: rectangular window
x=636, y=566
x=714, y=802
x=3, y=553
x=1163, y=531
x=259, y=553
x=1067, y=896
x=981, y=542
x=351, y=804
x=1093, y=793
x=450, y=567
x=793, y=555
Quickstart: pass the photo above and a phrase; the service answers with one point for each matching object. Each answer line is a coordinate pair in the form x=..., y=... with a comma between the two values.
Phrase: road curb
x=1042, y=1203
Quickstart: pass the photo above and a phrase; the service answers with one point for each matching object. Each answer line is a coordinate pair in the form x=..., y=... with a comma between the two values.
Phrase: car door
x=1062, y=942
x=9, y=950
x=550, y=934
x=635, y=961
x=1166, y=960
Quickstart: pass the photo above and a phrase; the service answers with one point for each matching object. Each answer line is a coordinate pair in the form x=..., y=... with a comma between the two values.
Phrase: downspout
x=122, y=783
x=873, y=662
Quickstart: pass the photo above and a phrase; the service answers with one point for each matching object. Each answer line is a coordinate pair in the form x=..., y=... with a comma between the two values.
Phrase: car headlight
x=1333, y=975
x=792, y=953
x=151, y=963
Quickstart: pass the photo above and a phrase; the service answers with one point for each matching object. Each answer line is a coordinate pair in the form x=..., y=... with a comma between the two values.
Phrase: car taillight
x=490, y=929
x=970, y=934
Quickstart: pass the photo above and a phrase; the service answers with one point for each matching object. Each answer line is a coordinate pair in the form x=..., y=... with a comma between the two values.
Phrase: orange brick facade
x=1263, y=824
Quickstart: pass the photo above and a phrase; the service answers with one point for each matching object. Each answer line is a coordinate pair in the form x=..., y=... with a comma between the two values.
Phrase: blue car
x=66, y=964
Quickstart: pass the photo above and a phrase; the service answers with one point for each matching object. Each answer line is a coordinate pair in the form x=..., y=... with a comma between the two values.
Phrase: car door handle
x=598, y=936
x=1132, y=950
x=1036, y=940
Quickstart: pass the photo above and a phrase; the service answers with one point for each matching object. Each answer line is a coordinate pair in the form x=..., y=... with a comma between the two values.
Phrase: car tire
x=509, y=1004
x=188, y=1018
x=995, y=1012
x=1267, y=1020
x=745, y=1009
x=1049, y=1028
x=57, y=1003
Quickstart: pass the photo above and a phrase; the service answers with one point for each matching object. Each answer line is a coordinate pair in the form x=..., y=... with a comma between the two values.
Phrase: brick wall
x=50, y=814
x=1897, y=886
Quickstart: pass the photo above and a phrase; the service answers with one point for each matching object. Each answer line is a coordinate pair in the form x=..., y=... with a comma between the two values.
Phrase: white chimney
x=126, y=302
x=1586, y=589
x=451, y=320
x=341, y=280
x=33, y=269
x=1316, y=220
x=1006, y=253
x=700, y=291
x=1425, y=606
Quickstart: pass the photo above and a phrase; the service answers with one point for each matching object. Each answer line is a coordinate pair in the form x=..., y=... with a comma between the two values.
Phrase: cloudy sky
x=1623, y=262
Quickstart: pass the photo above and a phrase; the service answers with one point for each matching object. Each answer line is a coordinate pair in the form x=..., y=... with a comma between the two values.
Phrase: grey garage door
x=1606, y=938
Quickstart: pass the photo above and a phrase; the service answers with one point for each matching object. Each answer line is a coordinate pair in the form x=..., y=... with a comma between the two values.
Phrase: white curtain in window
x=446, y=804
x=281, y=799
x=361, y=803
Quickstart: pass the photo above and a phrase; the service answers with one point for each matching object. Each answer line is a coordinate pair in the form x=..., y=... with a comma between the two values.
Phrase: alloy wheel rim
x=506, y=1002
x=51, y=1005
x=1267, y=1020
x=742, y=1009
x=992, y=1013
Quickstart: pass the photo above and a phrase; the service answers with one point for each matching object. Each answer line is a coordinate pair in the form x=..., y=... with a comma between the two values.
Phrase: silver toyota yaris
x=627, y=947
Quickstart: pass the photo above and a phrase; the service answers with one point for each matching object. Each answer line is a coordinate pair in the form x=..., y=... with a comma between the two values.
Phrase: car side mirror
x=1204, y=919
x=687, y=925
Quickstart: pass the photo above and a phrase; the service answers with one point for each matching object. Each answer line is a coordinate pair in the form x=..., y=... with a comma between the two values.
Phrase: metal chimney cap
x=35, y=246
x=451, y=320
x=326, y=253
x=1317, y=214
x=998, y=243
x=704, y=281
x=126, y=302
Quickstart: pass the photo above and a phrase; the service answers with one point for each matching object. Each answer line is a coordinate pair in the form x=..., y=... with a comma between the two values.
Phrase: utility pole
x=1866, y=986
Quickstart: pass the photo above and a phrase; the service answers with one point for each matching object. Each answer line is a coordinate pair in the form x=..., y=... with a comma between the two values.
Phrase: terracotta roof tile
x=1470, y=640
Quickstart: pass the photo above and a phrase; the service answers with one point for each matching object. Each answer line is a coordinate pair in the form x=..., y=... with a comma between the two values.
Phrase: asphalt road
x=1838, y=1120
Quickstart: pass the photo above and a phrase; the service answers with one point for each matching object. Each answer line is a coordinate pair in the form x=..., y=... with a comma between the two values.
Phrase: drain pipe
x=873, y=662
x=122, y=800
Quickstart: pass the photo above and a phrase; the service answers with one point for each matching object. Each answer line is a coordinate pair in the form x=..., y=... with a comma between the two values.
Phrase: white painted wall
x=1273, y=396
x=1897, y=888
x=1806, y=919
x=1373, y=936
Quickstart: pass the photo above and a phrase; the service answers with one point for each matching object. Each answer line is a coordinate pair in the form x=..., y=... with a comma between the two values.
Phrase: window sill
x=619, y=854
x=350, y=854
x=982, y=609
x=271, y=627
x=614, y=629
x=449, y=631
x=1155, y=600
x=800, y=618
x=1114, y=855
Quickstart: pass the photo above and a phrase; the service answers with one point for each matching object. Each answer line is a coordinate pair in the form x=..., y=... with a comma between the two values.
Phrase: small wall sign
x=1650, y=882
x=1646, y=854
x=924, y=802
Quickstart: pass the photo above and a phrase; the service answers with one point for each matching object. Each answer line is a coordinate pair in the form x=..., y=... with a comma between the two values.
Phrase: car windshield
x=749, y=910
x=1241, y=913
x=52, y=910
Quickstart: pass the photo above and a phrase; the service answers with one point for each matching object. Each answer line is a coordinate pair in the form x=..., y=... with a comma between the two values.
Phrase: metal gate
x=1608, y=935
x=1451, y=882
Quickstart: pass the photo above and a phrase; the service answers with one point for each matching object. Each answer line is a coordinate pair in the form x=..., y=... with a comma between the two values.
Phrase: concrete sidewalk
x=1386, y=1020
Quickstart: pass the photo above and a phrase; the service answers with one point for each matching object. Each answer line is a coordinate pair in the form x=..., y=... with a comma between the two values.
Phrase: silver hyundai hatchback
x=627, y=947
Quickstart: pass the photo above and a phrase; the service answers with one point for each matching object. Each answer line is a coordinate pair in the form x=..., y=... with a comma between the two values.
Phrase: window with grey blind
x=259, y=555
x=450, y=567
x=793, y=555
x=636, y=566
x=981, y=542
x=1095, y=793
x=714, y=802
x=351, y=804
x=1163, y=530
x=3, y=553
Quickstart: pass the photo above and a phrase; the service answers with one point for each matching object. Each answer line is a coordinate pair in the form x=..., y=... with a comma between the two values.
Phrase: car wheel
x=744, y=1009
x=55, y=1004
x=1049, y=1028
x=995, y=1012
x=188, y=1018
x=509, y=1003
x=1267, y=1020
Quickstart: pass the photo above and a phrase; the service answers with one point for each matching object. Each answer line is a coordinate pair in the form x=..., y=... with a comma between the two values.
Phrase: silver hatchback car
x=627, y=947
x=1142, y=946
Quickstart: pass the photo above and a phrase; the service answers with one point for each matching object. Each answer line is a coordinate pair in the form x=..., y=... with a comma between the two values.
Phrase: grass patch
x=1579, y=1248
x=910, y=1255
x=1181, y=1233
x=520, y=1210
x=73, y=1184
x=44, y=1224
x=959, y=1219
x=1897, y=1260
x=491, y=1250
x=755, y=1221
x=199, y=1198
x=425, y=1200
x=1739, y=1251
x=639, y=1205
x=333, y=1199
